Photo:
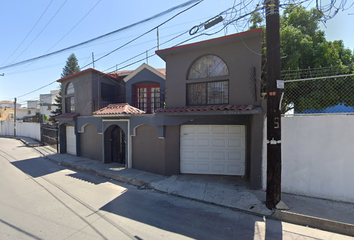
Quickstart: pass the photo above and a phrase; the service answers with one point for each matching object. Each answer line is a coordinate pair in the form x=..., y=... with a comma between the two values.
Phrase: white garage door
x=213, y=149
x=70, y=140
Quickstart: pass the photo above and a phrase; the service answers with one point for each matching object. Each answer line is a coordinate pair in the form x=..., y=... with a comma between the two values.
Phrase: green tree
x=304, y=46
x=71, y=67
x=58, y=101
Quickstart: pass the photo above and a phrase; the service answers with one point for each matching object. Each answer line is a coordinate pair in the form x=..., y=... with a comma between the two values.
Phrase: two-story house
x=212, y=122
x=97, y=108
x=82, y=94
x=205, y=116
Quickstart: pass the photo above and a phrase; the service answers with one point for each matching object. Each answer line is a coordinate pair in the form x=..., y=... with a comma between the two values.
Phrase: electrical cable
x=147, y=32
x=74, y=26
x=102, y=36
x=40, y=32
x=29, y=32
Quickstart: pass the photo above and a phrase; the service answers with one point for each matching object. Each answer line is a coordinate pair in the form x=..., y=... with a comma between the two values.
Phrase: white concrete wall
x=24, y=129
x=318, y=156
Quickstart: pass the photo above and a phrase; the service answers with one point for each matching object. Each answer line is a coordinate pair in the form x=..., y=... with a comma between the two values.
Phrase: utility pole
x=273, y=99
x=158, y=38
x=93, y=61
x=15, y=118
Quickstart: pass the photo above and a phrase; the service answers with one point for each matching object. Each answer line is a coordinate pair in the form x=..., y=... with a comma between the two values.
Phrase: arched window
x=69, y=98
x=208, y=91
x=208, y=66
x=70, y=89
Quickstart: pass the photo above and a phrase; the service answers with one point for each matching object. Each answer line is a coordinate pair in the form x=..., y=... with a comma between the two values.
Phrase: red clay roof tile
x=119, y=108
x=206, y=108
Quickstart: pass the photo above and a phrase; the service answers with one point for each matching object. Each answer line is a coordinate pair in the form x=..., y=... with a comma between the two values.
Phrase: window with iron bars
x=208, y=93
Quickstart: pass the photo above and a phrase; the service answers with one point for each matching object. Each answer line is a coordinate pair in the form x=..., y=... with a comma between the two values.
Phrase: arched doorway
x=114, y=145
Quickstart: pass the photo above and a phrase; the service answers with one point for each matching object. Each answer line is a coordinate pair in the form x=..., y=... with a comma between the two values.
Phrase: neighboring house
x=33, y=104
x=7, y=114
x=9, y=104
x=82, y=94
x=145, y=88
x=25, y=113
x=47, y=103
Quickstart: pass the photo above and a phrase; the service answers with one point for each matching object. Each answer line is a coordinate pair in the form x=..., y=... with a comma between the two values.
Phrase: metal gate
x=49, y=135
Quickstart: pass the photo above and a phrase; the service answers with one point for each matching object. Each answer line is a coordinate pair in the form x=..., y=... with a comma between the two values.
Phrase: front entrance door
x=118, y=145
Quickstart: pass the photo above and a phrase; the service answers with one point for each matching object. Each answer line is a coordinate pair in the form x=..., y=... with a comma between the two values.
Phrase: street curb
x=29, y=145
x=315, y=222
x=281, y=215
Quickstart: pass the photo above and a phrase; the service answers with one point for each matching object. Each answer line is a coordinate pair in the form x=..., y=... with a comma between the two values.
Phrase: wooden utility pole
x=93, y=61
x=15, y=117
x=273, y=99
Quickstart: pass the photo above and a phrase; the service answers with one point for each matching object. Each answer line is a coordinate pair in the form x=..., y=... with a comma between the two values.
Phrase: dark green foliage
x=58, y=101
x=71, y=67
x=304, y=46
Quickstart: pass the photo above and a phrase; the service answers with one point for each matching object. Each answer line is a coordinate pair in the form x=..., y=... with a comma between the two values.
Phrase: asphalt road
x=40, y=199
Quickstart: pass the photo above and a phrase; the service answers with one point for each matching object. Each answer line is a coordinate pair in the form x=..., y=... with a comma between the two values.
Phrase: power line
x=149, y=49
x=39, y=32
x=104, y=35
x=75, y=25
x=28, y=33
x=141, y=35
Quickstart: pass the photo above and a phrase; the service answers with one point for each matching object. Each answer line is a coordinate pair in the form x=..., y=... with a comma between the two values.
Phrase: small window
x=208, y=66
x=70, y=89
x=69, y=104
x=208, y=93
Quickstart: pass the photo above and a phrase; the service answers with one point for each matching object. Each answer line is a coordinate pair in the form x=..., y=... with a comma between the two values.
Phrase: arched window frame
x=208, y=71
x=208, y=88
x=69, y=98
x=69, y=89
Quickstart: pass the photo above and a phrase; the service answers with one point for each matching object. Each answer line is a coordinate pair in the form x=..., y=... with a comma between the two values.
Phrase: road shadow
x=87, y=177
x=37, y=167
x=188, y=218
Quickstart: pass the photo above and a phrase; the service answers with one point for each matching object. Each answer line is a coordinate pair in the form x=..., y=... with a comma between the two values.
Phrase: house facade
x=202, y=115
x=82, y=94
x=212, y=120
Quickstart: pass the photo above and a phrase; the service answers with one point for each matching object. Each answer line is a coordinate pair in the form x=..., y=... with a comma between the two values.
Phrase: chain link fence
x=314, y=92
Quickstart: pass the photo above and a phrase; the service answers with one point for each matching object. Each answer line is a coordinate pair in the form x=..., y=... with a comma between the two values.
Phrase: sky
x=34, y=28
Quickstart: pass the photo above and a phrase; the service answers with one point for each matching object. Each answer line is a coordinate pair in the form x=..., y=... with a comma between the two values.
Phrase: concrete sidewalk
x=232, y=192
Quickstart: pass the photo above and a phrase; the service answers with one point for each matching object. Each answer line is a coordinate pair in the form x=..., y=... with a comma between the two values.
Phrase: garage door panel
x=215, y=152
x=236, y=130
x=218, y=155
x=202, y=130
x=202, y=167
x=204, y=142
x=203, y=155
x=235, y=156
x=70, y=140
x=218, y=129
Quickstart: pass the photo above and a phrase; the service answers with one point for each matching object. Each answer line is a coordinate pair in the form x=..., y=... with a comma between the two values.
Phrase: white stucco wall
x=24, y=129
x=318, y=156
